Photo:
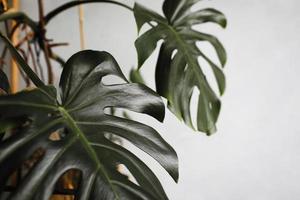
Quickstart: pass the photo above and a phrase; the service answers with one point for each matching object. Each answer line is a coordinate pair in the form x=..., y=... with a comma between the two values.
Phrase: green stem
x=20, y=17
x=22, y=63
x=71, y=4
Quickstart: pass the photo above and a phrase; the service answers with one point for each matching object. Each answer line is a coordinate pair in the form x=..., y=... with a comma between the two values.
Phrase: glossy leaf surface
x=178, y=71
x=79, y=119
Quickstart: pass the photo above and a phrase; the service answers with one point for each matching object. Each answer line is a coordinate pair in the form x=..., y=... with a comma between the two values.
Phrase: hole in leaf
x=154, y=23
x=9, y=127
x=114, y=138
x=112, y=80
x=174, y=53
x=67, y=185
x=194, y=106
x=110, y=111
x=54, y=136
x=57, y=135
x=146, y=27
x=128, y=114
x=125, y=171
x=210, y=106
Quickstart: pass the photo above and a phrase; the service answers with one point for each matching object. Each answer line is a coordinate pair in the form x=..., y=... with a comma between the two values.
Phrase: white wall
x=256, y=153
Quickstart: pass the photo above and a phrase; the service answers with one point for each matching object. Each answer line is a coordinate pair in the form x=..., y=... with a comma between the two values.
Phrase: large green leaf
x=178, y=71
x=78, y=115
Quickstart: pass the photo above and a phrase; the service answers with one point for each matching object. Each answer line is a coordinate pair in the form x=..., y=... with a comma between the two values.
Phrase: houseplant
x=29, y=118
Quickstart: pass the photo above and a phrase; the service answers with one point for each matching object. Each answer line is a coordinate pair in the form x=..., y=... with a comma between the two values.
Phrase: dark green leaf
x=146, y=17
x=162, y=70
x=146, y=44
x=173, y=9
x=83, y=144
x=178, y=71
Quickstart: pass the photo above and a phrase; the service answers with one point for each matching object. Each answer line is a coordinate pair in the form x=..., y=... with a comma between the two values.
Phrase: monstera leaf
x=178, y=71
x=77, y=115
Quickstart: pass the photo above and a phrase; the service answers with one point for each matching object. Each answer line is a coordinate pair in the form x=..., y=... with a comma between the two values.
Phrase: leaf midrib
x=186, y=54
x=203, y=85
x=183, y=48
x=76, y=130
x=181, y=43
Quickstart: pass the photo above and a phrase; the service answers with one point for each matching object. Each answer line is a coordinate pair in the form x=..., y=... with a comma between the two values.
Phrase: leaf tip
x=224, y=23
x=222, y=90
x=174, y=172
x=210, y=132
x=224, y=60
x=161, y=115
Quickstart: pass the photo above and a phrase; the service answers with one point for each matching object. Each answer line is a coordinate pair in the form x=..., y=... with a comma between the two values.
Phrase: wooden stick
x=15, y=73
x=81, y=29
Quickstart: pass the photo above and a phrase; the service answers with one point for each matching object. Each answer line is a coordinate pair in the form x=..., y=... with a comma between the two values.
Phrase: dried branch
x=44, y=41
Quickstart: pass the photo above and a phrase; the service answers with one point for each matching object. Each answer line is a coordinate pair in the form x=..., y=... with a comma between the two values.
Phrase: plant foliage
x=178, y=71
x=78, y=116
x=75, y=113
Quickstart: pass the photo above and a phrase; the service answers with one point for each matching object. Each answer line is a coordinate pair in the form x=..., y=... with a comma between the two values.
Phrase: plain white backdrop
x=255, y=154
